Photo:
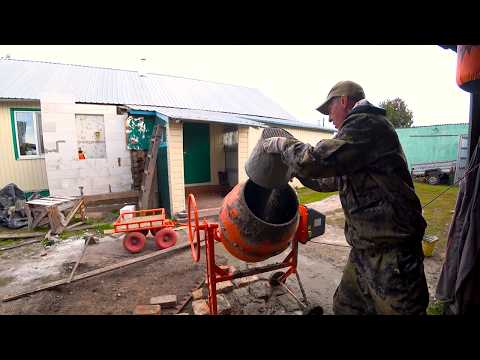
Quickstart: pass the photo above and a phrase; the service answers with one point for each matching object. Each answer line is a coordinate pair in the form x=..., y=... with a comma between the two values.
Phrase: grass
x=435, y=308
x=7, y=242
x=307, y=195
x=99, y=228
x=439, y=213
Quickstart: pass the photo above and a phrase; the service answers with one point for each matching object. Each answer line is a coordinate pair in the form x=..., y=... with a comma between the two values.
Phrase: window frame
x=16, y=145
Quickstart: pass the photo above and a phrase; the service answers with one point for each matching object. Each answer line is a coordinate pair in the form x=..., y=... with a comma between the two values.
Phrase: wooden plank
x=148, y=172
x=73, y=212
x=21, y=235
x=103, y=270
x=84, y=227
x=46, y=202
x=91, y=199
x=74, y=225
x=22, y=244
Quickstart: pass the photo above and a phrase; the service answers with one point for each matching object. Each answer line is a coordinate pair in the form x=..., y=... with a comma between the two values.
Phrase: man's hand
x=275, y=145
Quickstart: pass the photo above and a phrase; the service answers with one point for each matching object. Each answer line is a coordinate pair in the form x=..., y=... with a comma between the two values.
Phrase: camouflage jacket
x=365, y=162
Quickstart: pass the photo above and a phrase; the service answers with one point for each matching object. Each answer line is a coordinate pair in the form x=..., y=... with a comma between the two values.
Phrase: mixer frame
x=216, y=274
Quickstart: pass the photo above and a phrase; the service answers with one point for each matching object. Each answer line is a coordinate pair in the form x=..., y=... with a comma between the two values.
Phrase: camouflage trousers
x=386, y=282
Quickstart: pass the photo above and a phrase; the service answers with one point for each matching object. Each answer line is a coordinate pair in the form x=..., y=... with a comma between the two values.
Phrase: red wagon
x=137, y=224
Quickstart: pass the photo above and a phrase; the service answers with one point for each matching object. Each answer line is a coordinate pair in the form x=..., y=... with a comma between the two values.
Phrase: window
x=27, y=131
x=91, y=136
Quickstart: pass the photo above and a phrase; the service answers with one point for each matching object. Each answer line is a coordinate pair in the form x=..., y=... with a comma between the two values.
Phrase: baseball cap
x=342, y=88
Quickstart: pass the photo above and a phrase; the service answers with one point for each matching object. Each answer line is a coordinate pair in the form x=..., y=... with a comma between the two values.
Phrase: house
x=425, y=144
x=72, y=129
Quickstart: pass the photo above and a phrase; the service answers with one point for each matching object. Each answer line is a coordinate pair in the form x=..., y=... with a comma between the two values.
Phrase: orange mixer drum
x=257, y=223
x=468, y=67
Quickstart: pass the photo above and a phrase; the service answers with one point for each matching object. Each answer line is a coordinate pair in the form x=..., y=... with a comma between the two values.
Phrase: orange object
x=244, y=232
x=247, y=237
x=81, y=155
x=216, y=274
x=468, y=67
x=142, y=221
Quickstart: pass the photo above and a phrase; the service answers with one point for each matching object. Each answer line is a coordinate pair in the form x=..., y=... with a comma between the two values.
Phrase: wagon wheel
x=134, y=242
x=193, y=230
x=165, y=238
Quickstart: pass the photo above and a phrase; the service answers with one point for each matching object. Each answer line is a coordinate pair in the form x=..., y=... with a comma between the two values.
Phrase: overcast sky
x=298, y=77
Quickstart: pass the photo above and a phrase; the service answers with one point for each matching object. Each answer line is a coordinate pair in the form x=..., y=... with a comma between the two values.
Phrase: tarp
x=459, y=283
x=12, y=214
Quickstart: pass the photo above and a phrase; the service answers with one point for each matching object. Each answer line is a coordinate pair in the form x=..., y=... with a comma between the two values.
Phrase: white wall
x=65, y=172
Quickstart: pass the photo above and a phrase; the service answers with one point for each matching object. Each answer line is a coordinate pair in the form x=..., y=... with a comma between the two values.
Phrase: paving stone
x=165, y=300
x=254, y=309
x=223, y=305
x=245, y=281
x=222, y=288
x=147, y=310
x=242, y=295
x=288, y=303
x=200, y=307
x=260, y=290
x=198, y=294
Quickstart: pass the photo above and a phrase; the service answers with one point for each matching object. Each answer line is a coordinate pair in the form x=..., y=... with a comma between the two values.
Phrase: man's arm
x=321, y=185
x=352, y=149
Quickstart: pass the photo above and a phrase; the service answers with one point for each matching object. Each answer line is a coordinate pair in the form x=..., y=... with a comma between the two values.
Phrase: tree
x=397, y=113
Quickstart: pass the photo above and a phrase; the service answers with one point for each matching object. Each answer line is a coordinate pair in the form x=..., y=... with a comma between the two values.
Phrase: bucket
x=428, y=244
x=257, y=223
x=268, y=170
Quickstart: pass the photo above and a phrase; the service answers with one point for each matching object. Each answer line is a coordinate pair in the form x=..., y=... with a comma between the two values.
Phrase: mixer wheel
x=275, y=277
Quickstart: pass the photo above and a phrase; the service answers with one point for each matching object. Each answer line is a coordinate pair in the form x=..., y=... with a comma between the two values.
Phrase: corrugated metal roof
x=200, y=115
x=226, y=118
x=24, y=79
x=282, y=122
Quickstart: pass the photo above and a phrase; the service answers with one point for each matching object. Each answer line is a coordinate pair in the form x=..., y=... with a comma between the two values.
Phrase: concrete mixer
x=256, y=223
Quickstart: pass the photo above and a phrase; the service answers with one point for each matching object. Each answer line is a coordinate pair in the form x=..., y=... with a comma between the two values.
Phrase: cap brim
x=324, y=107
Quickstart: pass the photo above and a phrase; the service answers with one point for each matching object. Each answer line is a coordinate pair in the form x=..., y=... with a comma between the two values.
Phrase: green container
x=424, y=144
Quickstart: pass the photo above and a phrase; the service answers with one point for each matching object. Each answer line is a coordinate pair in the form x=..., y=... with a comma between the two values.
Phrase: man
x=383, y=216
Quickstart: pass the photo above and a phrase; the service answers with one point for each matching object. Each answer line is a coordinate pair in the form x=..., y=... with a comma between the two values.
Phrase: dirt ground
x=320, y=267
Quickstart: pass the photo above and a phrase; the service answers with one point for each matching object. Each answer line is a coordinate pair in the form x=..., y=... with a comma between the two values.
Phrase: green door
x=196, y=153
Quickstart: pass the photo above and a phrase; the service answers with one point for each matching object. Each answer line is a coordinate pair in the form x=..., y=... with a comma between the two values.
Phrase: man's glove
x=275, y=145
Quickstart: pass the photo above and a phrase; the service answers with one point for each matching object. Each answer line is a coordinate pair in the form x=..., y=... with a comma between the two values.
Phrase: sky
x=297, y=77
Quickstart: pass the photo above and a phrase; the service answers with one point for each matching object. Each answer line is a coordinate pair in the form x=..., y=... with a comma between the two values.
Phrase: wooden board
x=22, y=235
x=22, y=244
x=103, y=270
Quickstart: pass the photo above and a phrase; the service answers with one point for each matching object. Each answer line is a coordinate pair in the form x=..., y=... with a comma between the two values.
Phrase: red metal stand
x=215, y=274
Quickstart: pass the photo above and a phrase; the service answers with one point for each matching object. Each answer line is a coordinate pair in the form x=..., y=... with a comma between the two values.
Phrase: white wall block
x=64, y=171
